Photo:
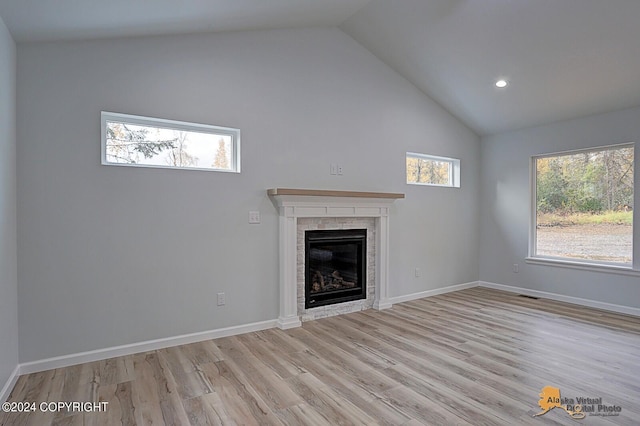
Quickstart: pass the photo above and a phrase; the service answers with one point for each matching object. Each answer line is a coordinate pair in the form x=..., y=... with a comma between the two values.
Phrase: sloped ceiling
x=44, y=20
x=562, y=58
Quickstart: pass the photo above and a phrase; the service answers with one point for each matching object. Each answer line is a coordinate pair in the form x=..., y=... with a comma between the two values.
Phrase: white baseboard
x=285, y=323
x=434, y=292
x=100, y=354
x=8, y=387
x=563, y=298
x=150, y=345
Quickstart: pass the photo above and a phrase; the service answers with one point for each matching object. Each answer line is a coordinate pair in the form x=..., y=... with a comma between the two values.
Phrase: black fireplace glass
x=335, y=266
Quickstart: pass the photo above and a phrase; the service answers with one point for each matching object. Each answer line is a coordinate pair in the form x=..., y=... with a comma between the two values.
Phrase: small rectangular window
x=431, y=170
x=583, y=202
x=129, y=140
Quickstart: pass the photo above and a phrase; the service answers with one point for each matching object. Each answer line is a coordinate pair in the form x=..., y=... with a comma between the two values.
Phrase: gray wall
x=8, y=269
x=505, y=160
x=111, y=255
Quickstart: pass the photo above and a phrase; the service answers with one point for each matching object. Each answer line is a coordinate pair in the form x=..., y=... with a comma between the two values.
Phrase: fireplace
x=303, y=210
x=335, y=266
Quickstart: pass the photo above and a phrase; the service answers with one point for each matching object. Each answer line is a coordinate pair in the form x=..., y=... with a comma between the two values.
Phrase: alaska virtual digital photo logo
x=577, y=408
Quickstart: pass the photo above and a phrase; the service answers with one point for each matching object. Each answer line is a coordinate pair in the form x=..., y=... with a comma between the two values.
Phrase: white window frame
x=106, y=116
x=454, y=169
x=632, y=269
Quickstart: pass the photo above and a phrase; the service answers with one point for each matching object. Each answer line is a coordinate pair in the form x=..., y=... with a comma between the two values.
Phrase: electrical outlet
x=254, y=217
x=221, y=299
x=417, y=272
x=516, y=268
x=339, y=169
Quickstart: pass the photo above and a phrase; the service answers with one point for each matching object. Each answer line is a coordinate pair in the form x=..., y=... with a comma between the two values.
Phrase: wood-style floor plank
x=473, y=357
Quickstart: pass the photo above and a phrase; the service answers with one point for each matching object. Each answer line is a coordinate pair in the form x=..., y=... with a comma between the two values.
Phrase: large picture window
x=129, y=140
x=584, y=204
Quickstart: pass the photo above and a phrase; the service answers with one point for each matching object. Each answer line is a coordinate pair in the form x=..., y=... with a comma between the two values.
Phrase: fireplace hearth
x=335, y=266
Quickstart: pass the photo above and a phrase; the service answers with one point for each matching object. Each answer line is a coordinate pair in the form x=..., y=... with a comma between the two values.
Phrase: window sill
x=585, y=266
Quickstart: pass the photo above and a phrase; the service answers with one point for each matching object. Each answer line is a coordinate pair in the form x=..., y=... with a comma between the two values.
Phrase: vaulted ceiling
x=561, y=58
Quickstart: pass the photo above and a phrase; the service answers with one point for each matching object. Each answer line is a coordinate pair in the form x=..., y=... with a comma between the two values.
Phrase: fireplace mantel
x=331, y=193
x=304, y=203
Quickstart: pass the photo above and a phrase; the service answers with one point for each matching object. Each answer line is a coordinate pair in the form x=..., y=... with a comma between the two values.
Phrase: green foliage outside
x=157, y=146
x=126, y=144
x=607, y=217
x=590, y=183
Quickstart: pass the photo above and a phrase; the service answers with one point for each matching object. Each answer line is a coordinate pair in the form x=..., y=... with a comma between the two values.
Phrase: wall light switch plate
x=254, y=217
x=333, y=169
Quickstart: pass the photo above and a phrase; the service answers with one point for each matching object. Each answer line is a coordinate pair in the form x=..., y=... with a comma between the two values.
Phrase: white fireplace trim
x=336, y=204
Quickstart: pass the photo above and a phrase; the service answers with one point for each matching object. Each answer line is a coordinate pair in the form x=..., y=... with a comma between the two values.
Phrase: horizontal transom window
x=130, y=140
x=425, y=169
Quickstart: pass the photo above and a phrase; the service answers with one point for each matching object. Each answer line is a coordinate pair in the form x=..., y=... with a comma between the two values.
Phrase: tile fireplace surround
x=348, y=208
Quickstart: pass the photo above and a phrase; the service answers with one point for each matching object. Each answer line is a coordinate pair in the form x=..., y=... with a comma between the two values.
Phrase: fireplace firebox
x=335, y=266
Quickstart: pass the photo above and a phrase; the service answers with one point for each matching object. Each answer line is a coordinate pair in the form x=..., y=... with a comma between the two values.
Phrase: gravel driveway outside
x=608, y=242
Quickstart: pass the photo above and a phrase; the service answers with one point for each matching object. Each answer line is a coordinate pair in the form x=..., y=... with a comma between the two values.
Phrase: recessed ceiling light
x=502, y=83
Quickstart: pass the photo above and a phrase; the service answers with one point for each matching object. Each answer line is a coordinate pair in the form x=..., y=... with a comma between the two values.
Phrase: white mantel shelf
x=332, y=193
x=298, y=203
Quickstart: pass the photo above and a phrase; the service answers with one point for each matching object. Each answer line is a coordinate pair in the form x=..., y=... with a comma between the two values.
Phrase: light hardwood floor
x=473, y=357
